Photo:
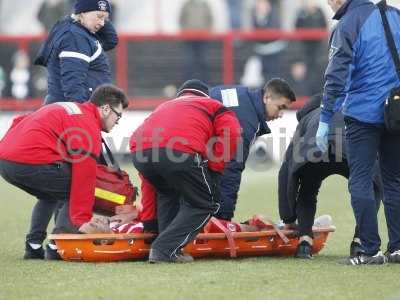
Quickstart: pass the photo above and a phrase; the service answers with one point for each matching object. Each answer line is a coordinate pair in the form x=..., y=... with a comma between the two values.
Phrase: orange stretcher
x=119, y=247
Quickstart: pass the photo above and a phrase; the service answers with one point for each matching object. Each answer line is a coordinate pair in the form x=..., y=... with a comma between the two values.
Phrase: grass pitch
x=245, y=278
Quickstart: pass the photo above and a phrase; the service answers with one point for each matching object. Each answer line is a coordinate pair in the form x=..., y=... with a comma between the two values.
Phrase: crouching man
x=180, y=149
x=305, y=168
x=51, y=154
x=253, y=108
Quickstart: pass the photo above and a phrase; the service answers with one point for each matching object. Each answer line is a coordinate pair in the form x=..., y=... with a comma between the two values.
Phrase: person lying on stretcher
x=127, y=221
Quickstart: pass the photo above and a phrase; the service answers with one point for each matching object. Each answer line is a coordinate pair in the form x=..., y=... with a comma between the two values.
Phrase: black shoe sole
x=52, y=256
x=303, y=256
x=32, y=256
x=393, y=260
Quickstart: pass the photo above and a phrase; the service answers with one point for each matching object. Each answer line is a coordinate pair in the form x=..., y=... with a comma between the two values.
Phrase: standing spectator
x=51, y=11
x=298, y=78
x=74, y=53
x=2, y=81
x=173, y=150
x=359, y=78
x=265, y=15
x=235, y=8
x=311, y=16
x=20, y=75
x=75, y=58
x=195, y=16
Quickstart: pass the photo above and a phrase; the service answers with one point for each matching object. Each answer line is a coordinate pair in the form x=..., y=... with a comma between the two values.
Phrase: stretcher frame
x=121, y=247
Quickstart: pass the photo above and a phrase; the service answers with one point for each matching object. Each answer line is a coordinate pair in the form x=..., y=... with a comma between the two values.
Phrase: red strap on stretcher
x=228, y=233
x=269, y=222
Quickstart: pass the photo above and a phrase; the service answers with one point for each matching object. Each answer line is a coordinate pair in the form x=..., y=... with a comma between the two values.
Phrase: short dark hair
x=109, y=94
x=280, y=87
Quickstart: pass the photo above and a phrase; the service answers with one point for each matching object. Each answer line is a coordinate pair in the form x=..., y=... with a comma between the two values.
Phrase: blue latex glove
x=321, y=138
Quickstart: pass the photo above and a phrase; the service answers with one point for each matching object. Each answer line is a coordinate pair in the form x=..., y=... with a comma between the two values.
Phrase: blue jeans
x=365, y=142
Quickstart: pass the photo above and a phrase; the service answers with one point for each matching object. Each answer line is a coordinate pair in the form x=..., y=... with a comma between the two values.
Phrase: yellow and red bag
x=113, y=187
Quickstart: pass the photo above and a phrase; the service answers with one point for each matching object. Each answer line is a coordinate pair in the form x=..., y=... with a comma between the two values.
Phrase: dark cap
x=194, y=86
x=91, y=5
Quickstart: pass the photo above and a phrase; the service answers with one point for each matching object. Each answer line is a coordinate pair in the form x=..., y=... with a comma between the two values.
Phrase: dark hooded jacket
x=303, y=150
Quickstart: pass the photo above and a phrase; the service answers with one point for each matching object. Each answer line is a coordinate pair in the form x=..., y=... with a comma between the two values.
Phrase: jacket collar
x=76, y=23
x=259, y=104
x=348, y=6
x=260, y=108
x=58, y=30
x=93, y=109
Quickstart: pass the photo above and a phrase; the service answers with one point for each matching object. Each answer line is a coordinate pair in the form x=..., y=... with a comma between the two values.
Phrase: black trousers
x=311, y=177
x=50, y=184
x=59, y=208
x=185, y=195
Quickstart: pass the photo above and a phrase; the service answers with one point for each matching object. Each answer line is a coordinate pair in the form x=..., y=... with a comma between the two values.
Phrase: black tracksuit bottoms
x=185, y=195
x=311, y=177
x=51, y=185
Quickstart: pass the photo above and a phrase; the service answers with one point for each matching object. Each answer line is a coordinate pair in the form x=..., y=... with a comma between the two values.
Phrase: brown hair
x=109, y=94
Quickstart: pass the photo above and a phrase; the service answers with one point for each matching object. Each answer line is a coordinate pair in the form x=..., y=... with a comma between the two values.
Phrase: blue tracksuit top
x=248, y=106
x=361, y=71
x=75, y=60
x=250, y=110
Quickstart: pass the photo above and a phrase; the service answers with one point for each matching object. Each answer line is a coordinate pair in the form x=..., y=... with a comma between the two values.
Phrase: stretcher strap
x=267, y=221
x=228, y=233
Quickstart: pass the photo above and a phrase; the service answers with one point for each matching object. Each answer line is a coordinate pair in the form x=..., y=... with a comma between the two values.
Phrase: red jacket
x=191, y=124
x=148, y=201
x=47, y=135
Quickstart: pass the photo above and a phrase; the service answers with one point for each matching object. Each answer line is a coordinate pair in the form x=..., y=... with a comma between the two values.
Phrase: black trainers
x=363, y=259
x=51, y=252
x=304, y=251
x=355, y=249
x=33, y=251
x=156, y=256
x=393, y=257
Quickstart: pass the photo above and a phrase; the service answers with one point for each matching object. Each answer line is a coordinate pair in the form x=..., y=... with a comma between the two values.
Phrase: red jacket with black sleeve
x=191, y=124
x=63, y=131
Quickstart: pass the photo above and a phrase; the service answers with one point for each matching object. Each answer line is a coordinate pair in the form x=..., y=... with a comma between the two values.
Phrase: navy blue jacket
x=360, y=72
x=302, y=151
x=75, y=60
x=250, y=110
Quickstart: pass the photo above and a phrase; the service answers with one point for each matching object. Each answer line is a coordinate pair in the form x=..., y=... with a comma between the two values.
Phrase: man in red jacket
x=51, y=154
x=180, y=149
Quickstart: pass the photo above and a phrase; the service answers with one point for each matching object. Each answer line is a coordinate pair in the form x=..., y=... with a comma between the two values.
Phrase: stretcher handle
x=228, y=234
